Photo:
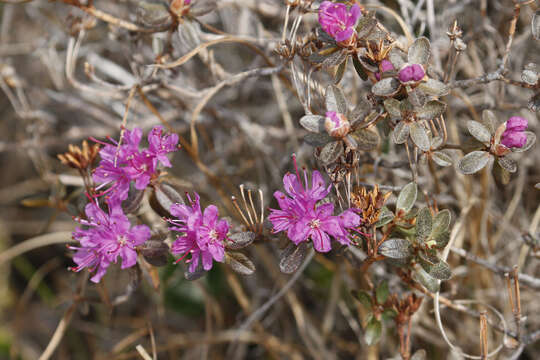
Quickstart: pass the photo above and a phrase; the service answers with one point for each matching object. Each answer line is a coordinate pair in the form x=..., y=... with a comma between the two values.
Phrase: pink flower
x=301, y=217
x=411, y=73
x=203, y=234
x=122, y=164
x=338, y=21
x=109, y=236
x=514, y=136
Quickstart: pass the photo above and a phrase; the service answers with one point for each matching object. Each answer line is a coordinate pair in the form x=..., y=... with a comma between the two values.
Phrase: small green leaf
x=407, y=197
x=382, y=292
x=373, y=332
x=389, y=314
x=424, y=223
x=340, y=71
x=364, y=298
x=240, y=240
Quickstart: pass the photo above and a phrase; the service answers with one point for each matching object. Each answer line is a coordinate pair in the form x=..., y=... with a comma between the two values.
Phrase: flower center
x=315, y=223
x=122, y=241
x=213, y=235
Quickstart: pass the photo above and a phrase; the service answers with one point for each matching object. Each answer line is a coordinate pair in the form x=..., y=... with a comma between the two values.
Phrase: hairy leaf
x=239, y=263
x=420, y=137
x=419, y=51
x=407, y=197
x=401, y=132
x=473, y=162
x=395, y=248
x=386, y=87
x=313, y=123
x=382, y=292
x=424, y=223
x=292, y=257
x=335, y=100
x=240, y=240
x=479, y=131
x=373, y=332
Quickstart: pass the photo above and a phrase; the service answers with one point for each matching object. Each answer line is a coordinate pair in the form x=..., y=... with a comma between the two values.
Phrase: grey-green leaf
x=442, y=239
x=424, y=224
x=316, y=139
x=426, y=280
x=386, y=87
x=489, y=120
x=385, y=217
x=240, y=240
x=373, y=332
x=392, y=107
x=441, y=158
x=313, y=123
x=440, y=271
x=407, y=197
x=239, y=263
x=395, y=248
x=292, y=257
x=507, y=164
x=331, y=152
x=366, y=140
x=479, y=131
x=434, y=87
x=420, y=137
x=365, y=26
x=473, y=162
x=335, y=100
x=431, y=110
x=441, y=222
x=419, y=51
x=401, y=132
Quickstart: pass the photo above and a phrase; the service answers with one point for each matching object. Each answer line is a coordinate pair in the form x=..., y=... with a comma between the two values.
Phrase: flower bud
x=411, y=73
x=336, y=124
x=513, y=136
x=384, y=66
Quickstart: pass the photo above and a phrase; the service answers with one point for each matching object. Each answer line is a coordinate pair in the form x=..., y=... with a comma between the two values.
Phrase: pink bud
x=336, y=124
x=411, y=73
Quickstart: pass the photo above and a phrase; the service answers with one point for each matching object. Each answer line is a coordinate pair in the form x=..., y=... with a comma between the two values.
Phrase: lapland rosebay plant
x=417, y=199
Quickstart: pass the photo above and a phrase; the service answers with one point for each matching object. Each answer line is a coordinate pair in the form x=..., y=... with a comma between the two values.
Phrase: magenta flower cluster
x=203, y=234
x=107, y=237
x=303, y=218
x=337, y=20
x=514, y=136
x=126, y=162
x=411, y=73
